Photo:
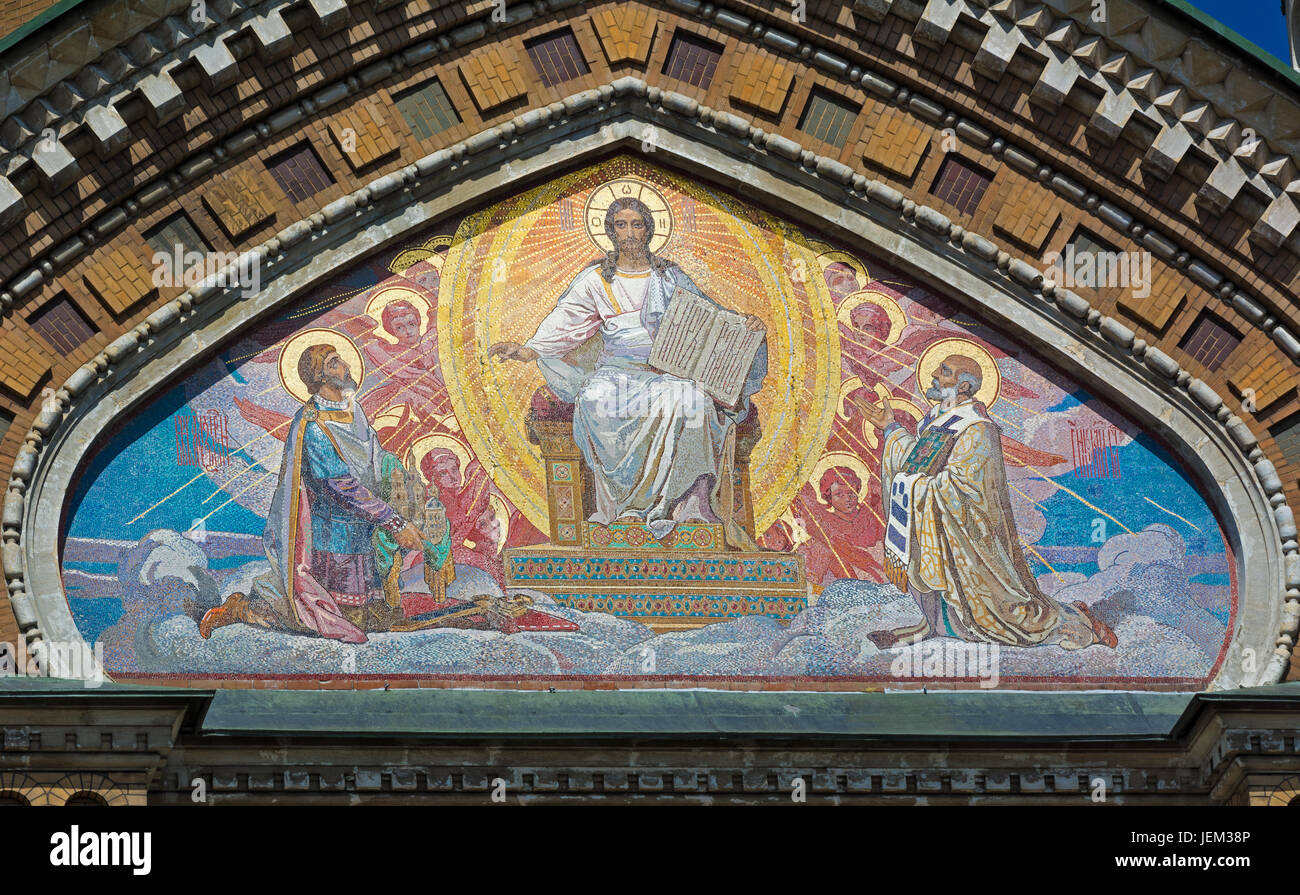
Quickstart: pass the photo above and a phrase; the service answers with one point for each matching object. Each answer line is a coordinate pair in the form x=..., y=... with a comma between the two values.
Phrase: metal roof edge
x=1221, y=31
x=42, y=19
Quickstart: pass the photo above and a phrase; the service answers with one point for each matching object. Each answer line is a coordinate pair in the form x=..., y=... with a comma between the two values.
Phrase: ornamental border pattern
x=1183, y=115
x=786, y=162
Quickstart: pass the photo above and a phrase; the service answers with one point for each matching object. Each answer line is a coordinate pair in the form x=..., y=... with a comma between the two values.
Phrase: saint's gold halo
x=300, y=342
x=852, y=384
x=933, y=356
x=627, y=188
x=849, y=461
x=390, y=417
x=882, y=391
x=904, y=405
x=424, y=445
x=897, y=319
x=475, y=311
x=385, y=297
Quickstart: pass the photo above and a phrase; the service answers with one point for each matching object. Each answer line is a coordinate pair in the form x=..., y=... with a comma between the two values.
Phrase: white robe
x=646, y=436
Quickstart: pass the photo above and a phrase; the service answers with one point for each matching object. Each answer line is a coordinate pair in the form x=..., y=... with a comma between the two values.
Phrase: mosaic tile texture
x=455, y=461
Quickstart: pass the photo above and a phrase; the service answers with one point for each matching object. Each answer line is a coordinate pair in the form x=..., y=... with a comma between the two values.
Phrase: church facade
x=650, y=401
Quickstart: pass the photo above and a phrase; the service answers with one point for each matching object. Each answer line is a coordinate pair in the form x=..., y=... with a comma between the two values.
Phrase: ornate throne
x=569, y=496
x=688, y=579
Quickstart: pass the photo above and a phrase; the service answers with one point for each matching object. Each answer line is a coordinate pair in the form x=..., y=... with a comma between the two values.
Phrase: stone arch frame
x=70, y=786
x=27, y=788
x=1285, y=794
x=1098, y=351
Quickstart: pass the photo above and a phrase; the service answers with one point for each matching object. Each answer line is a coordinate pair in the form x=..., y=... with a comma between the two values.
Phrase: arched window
x=12, y=798
x=82, y=799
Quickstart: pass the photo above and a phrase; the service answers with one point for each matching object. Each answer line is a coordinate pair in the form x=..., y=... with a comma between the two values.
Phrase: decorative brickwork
x=1287, y=434
x=299, y=171
x=239, y=201
x=692, y=59
x=494, y=78
x=961, y=184
x=1025, y=214
x=364, y=134
x=1266, y=380
x=828, y=118
x=762, y=82
x=25, y=363
x=1084, y=240
x=177, y=230
x=626, y=33
x=427, y=109
x=1210, y=340
x=17, y=13
x=897, y=144
x=120, y=277
x=1157, y=310
x=556, y=57
x=63, y=325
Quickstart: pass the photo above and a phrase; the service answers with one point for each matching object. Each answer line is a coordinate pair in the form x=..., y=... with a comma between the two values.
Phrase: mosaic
x=626, y=427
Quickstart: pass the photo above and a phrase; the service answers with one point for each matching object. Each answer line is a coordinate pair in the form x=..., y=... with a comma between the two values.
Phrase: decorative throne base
x=684, y=581
x=687, y=580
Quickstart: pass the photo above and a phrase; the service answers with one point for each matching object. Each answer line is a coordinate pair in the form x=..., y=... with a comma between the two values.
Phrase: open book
x=698, y=340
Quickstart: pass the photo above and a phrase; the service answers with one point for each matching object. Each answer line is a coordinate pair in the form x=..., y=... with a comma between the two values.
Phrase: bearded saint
x=950, y=537
x=329, y=531
x=659, y=449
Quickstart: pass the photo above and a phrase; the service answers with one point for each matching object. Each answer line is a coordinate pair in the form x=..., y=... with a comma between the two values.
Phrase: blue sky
x=1259, y=21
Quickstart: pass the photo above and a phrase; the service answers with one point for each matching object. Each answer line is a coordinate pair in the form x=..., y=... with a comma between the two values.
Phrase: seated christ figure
x=659, y=449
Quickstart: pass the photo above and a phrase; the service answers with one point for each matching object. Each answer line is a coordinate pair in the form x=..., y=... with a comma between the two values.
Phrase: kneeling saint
x=950, y=537
x=334, y=542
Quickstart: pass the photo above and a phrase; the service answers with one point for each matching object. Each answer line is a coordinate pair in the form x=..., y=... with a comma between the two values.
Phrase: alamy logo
x=222, y=269
x=77, y=849
x=941, y=658
x=1095, y=270
x=72, y=660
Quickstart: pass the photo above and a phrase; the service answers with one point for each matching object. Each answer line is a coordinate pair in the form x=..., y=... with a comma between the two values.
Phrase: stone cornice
x=846, y=747
x=1141, y=64
x=1210, y=429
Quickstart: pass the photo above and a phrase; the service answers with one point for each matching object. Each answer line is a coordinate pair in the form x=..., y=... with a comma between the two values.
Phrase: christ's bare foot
x=626, y=519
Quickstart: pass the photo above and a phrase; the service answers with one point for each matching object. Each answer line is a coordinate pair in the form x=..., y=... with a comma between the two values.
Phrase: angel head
x=442, y=467
x=841, y=488
x=401, y=320
x=872, y=321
